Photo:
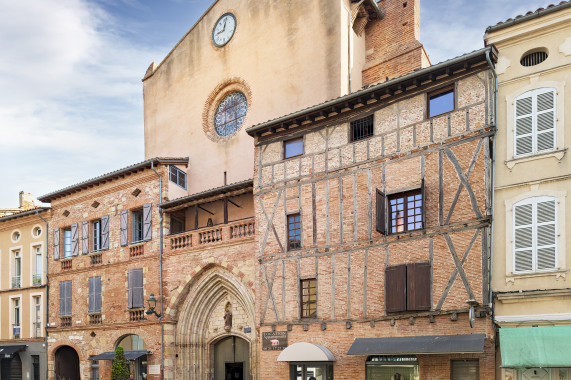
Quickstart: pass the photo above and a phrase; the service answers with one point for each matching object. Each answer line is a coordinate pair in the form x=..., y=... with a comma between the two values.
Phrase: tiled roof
x=528, y=16
x=111, y=175
x=23, y=213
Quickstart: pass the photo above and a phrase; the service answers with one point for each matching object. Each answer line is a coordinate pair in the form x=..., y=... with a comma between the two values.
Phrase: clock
x=224, y=29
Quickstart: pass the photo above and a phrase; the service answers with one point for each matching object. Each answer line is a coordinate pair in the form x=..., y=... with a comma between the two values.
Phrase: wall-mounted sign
x=274, y=341
x=154, y=369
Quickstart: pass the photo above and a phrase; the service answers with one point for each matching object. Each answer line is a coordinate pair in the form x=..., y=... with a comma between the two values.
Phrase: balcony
x=136, y=315
x=16, y=331
x=65, y=322
x=96, y=258
x=66, y=264
x=212, y=235
x=37, y=279
x=95, y=319
x=136, y=250
x=16, y=282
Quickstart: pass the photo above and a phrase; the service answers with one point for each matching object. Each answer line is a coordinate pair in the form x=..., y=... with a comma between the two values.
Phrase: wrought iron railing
x=16, y=282
x=36, y=279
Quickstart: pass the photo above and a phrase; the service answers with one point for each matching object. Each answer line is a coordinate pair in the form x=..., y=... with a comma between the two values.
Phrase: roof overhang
x=24, y=213
x=436, y=344
x=528, y=16
x=306, y=352
x=209, y=195
x=8, y=351
x=372, y=8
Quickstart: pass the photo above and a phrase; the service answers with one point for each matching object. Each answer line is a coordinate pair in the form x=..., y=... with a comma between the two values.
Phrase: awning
x=129, y=355
x=438, y=344
x=306, y=352
x=530, y=347
x=8, y=351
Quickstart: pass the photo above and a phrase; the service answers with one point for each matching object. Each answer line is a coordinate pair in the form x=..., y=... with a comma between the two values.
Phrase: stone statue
x=228, y=319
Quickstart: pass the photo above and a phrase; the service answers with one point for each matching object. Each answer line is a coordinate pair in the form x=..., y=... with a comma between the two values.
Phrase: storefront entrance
x=231, y=359
x=311, y=371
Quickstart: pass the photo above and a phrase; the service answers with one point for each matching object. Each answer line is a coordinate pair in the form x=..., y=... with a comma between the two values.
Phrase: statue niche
x=228, y=317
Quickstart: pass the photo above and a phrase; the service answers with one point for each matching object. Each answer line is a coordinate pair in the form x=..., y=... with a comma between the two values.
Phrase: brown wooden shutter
x=124, y=227
x=395, y=288
x=56, y=244
x=147, y=222
x=418, y=286
x=85, y=237
x=74, y=239
x=105, y=232
x=381, y=213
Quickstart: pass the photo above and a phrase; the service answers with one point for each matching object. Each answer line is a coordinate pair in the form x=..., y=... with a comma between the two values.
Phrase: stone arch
x=200, y=314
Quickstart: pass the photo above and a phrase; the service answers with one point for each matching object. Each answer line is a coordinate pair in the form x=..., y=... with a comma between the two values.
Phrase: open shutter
x=124, y=225
x=523, y=237
x=423, y=195
x=62, y=308
x=381, y=213
x=56, y=244
x=97, y=294
x=130, y=289
x=418, y=285
x=147, y=222
x=524, y=125
x=74, y=239
x=546, y=235
x=68, y=298
x=105, y=232
x=91, y=306
x=85, y=237
x=395, y=288
x=545, y=120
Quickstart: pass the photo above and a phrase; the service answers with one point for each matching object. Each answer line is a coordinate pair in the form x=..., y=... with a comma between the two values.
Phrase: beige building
x=23, y=294
x=26, y=201
x=531, y=261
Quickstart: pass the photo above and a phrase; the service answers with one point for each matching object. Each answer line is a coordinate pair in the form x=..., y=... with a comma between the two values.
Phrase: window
x=141, y=229
x=534, y=122
x=37, y=315
x=94, y=369
x=17, y=277
x=137, y=226
x=392, y=367
x=37, y=275
x=16, y=236
x=465, y=369
x=96, y=235
x=177, y=225
x=293, y=147
x=308, y=298
x=362, y=128
x=65, y=298
x=94, y=295
x=535, y=234
x=294, y=231
x=177, y=176
x=230, y=114
x=533, y=58
x=36, y=366
x=135, y=289
x=408, y=287
x=16, y=320
x=67, y=242
x=37, y=231
x=441, y=101
x=405, y=211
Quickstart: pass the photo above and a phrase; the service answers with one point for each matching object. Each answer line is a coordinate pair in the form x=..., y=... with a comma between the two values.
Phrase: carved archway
x=201, y=320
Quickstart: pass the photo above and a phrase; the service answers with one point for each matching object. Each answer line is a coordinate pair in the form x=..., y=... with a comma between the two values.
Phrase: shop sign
x=274, y=341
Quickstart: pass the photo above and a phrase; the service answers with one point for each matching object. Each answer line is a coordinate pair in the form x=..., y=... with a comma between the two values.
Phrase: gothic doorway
x=11, y=368
x=231, y=359
x=67, y=364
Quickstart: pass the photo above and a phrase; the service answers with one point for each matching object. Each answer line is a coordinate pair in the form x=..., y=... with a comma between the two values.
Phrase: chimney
x=26, y=201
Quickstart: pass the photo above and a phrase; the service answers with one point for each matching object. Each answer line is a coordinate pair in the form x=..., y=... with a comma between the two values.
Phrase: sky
x=71, y=103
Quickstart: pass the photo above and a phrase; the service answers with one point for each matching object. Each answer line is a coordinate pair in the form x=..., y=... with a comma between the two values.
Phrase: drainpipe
x=161, y=269
x=47, y=292
x=491, y=243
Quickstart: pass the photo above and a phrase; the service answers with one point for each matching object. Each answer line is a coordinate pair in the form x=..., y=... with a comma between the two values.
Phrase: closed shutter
x=74, y=239
x=395, y=288
x=423, y=195
x=524, y=125
x=130, y=289
x=56, y=244
x=124, y=226
x=381, y=213
x=418, y=285
x=62, y=308
x=91, y=307
x=85, y=237
x=68, y=298
x=97, y=294
x=546, y=235
x=138, y=288
x=105, y=232
x=545, y=120
x=147, y=221
x=523, y=237
x=468, y=369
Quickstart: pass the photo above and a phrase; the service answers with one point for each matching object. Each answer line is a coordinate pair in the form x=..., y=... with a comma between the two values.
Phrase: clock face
x=224, y=29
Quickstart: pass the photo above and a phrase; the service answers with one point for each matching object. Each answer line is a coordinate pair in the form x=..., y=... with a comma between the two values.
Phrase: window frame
x=293, y=244
x=178, y=173
x=404, y=195
x=137, y=227
x=383, y=224
x=96, y=236
x=437, y=93
x=353, y=125
x=67, y=253
x=308, y=305
x=286, y=142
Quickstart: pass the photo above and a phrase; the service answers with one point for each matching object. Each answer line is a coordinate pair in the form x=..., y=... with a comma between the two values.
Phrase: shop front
x=541, y=353
x=308, y=361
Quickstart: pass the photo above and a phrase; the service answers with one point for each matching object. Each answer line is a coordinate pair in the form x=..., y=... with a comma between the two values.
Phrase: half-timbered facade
x=373, y=216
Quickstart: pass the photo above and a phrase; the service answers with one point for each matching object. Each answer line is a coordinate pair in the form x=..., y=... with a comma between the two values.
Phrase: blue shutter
x=147, y=221
x=56, y=244
x=105, y=232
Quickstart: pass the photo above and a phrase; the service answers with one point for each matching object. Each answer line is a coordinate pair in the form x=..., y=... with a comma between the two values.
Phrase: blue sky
x=70, y=77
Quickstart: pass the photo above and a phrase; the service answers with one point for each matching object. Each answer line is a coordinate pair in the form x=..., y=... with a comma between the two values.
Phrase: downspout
x=491, y=243
x=47, y=293
x=161, y=268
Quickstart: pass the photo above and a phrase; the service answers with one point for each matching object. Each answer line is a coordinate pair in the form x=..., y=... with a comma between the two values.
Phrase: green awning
x=531, y=347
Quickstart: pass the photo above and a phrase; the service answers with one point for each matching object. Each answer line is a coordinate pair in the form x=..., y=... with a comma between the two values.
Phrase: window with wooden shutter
x=74, y=239
x=95, y=294
x=65, y=298
x=147, y=222
x=395, y=288
x=534, y=122
x=56, y=244
x=408, y=287
x=535, y=234
x=85, y=237
x=135, y=289
x=124, y=227
x=381, y=208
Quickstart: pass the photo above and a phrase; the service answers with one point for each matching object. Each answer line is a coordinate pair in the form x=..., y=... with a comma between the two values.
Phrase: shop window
x=441, y=101
x=293, y=148
x=408, y=287
x=362, y=128
x=404, y=212
x=308, y=298
x=392, y=367
x=294, y=231
x=317, y=371
x=465, y=369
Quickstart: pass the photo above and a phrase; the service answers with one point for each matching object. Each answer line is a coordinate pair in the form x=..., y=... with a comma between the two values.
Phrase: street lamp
x=152, y=302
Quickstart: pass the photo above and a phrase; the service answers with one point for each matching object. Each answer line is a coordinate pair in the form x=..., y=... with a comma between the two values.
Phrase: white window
x=16, y=321
x=37, y=316
x=534, y=122
x=67, y=243
x=535, y=234
x=37, y=275
x=17, y=277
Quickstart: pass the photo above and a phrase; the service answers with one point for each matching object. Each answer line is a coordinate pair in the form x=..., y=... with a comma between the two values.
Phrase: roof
x=529, y=16
x=111, y=176
x=372, y=9
x=376, y=91
x=208, y=193
x=24, y=213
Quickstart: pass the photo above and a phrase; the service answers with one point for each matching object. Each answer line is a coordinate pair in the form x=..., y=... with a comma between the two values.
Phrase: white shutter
x=546, y=235
x=535, y=122
x=524, y=125
x=523, y=238
x=545, y=120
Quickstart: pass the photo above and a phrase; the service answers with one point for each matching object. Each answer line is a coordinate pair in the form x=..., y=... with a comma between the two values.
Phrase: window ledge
x=558, y=273
x=557, y=153
x=136, y=243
